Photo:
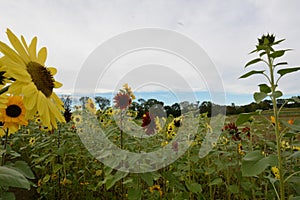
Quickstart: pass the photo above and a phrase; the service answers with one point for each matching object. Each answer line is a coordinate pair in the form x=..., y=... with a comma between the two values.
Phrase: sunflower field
x=52, y=149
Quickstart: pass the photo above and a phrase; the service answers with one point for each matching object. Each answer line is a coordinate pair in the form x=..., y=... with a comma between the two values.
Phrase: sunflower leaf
x=283, y=72
x=259, y=96
x=251, y=73
x=253, y=62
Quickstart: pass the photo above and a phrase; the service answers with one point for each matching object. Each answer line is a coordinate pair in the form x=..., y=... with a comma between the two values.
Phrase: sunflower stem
x=4, y=148
x=122, y=163
x=277, y=129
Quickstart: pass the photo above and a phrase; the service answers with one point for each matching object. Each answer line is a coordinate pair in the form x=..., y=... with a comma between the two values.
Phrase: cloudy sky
x=226, y=30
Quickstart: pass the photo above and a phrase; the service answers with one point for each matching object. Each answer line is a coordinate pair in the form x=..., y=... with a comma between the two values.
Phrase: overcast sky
x=226, y=30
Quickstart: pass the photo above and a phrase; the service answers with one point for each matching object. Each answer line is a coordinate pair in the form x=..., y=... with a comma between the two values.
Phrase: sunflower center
x=13, y=111
x=41, y=77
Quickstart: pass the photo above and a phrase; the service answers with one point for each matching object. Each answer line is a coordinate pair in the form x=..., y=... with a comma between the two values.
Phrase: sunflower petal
x=16, y=88
x=29, y=89
x=17, y=45
x=57, y=101
x=24, y=44
x=7, y=51
x=42, y=56
x=57, y=84
x=52, y=70
x=43, y=109
x=30, y=96
x=32, y=49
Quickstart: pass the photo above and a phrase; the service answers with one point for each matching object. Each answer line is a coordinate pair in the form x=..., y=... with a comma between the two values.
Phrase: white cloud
x=227, y=30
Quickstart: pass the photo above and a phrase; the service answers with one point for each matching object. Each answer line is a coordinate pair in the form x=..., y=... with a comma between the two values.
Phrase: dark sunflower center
x=41, y=77
x=13, y=111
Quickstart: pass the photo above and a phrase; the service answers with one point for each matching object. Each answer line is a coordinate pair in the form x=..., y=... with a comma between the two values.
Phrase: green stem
x=4, y=148
x=290, y=176
x=275, y=191
x=277, y=133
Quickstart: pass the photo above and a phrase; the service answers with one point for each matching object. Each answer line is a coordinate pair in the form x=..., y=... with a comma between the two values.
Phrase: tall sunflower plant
x=26, y=90
x=254, y=162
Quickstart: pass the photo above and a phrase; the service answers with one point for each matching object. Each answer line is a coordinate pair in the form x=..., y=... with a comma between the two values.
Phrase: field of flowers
x=50, y=150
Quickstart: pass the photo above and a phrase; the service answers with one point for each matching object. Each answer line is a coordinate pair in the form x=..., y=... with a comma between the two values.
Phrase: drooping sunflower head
x=32, y=79
x=122, y=100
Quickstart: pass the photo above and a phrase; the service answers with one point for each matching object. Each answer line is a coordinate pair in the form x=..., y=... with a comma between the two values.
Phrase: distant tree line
x=157, y=107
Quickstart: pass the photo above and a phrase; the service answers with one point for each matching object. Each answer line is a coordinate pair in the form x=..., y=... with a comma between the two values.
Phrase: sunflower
x=149, y=123
x=157, y=188
x=275, y=171
x=129, y=91
x=32, y=79
x=77, y=119
x=32, y=141
x=122, y=100
x=90, y=105
x=14, y=114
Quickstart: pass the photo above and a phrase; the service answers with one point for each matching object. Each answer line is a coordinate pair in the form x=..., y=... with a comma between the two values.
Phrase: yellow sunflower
x=32, y=141
x=77, y=119
x=90, y=105
x=13, y=115
x=33, y=79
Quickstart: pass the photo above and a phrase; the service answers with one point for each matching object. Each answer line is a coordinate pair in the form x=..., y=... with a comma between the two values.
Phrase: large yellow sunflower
x=13, y=115
x=33, y=79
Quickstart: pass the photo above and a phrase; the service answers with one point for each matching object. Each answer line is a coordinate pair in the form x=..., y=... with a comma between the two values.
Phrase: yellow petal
x=31, y=100
x=57, y=84
x=29, y=89
x=17, y=45
x=57, y=100
x=17, y=71
x=32, y=49
x=24, y=44
x=7, y=51
x=52, y=70
x=42, y=56
x=30, y=113
x=43, y=109
x=16, y=88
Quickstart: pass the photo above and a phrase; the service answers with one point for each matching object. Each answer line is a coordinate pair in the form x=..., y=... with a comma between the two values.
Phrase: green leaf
x=194, y=187
x=261, y=54
x=264, y=88
x=253, y=62
x=12, y=178
x=252, y=72
x=46, y=178
x=295, y=198
x=56, y=168
x=233, y=189
x=112, y=179
x=277, y=42
x=259, y=96
x=277, y=54
x=244, y=117
x=281, y=63
x=134, y=194
x=216, y=181
x=148, y=178
x=255, y=163
x=283, y=72
x=7, y=196
x=276, y=94
x=23, y=168
x=295, y=126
